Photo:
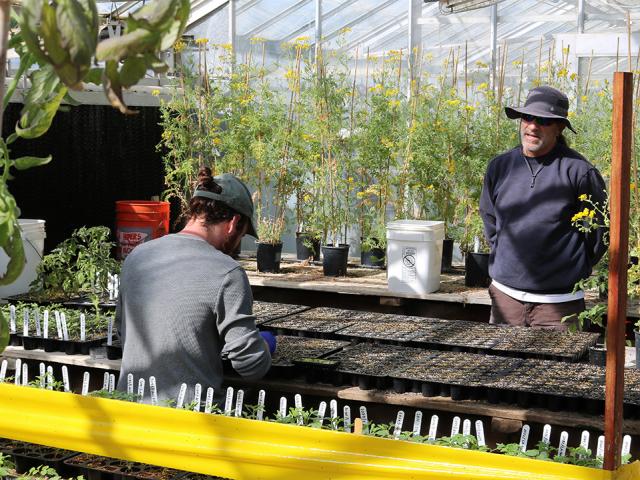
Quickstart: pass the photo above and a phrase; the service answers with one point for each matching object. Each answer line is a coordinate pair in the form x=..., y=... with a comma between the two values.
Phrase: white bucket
x=414, y=256
x=33, y=236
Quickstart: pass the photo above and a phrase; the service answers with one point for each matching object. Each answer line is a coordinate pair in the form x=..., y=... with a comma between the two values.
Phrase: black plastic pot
x=303, y=252
x=31, y=343
x=269, y=257
x=598, y=355
x=334, y=260
x=372, y=258
x=476, y=270
x=447, y=254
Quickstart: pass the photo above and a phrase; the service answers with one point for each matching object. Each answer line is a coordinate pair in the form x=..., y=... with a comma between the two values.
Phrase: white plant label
x=197, y=396
x=346, y=414
x=36, y=320
x=283, y=407
x=239, y=402
x=65, y=330
x=333, y=413
x=297, y=401
x=626, y=445
x=524, y=437
x=65, y=378
x=112, y=382
x=208, y=403
x=546, y=434
x=18, y=372
x=417, y=423
x=261, y=398
x=25, y=374
x=480, y=433
x=228, y=401
x=363, y=416
x=83, y=326
x=455, y=426
x=3, y=370
x=141, y=383
x=45, y=324
x=397, y=428
x=130, y=383
x=181, y=395
x=105, y=381
x=600, y=448
x=43, y=375
x=322, y=410
x=56, y=314
x=584, y=439
x=12, y=318
x=25, y=323
x=433, y=427
x=466, y=427
x=153, y=390
x=562, y=447
x=110, y=331
x=50, y=378
x=85, y=383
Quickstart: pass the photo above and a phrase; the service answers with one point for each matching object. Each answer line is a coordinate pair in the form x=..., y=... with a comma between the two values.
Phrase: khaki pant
x=507, y=310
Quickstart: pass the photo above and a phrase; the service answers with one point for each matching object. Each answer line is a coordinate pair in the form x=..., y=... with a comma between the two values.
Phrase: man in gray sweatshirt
x=185, y=304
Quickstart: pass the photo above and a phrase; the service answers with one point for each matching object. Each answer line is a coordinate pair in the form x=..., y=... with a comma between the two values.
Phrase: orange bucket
x=138, y=221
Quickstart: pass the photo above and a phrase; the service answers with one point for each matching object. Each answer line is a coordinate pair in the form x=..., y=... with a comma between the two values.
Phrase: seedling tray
x=321, y=322
x=290, y=350
x=267, y=311
x=94, y=467
x=31, y=342
x=114, y=351
x=29, y=456
x=545, y=343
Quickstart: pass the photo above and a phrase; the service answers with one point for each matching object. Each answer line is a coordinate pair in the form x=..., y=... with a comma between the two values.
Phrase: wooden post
x=618, y=258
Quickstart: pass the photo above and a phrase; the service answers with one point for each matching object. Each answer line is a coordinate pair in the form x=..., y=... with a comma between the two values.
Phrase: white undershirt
x=538, y=297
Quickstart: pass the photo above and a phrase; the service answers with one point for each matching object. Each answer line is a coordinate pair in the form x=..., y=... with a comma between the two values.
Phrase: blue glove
x=270, y=338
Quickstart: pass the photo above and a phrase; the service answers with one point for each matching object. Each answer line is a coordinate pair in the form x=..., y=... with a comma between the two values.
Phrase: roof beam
x=276, y=18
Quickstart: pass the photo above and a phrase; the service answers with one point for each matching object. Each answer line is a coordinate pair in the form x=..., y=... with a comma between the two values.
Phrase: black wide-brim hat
x=546, y=102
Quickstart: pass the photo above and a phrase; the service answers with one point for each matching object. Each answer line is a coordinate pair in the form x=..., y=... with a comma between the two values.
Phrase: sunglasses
x=542, y=121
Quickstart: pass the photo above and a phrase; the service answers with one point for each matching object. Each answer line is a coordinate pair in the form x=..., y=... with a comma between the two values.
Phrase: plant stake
x=85, y=384
x=239, y=402
x=562, y=447
x=12, y=318
x=36, y=318
x=43, y=375
x=105, y=381
x=455, y=426
x=65, y=330
x=524, y=437
x=466, y=427
x=153, y=390
x=25, y=374
x=3, y=370
x=112, y=382
x=626, y=445
x=141, y=389
x=50, y=378
x=228, y=402
x=584, y=440
x=65, y=378
x=417, y=423
x=297, y=401
x=433, y=428
x=110, y=331
x=56, y=313
x=208, y=403
x=181, y=394
x=18, y=371
x=346, y=413
x=45, y=324
x=333, y=413
x=130, y=383
x=397, y=428
x=480, y=433
x=365, y=419
x=283, y=407
x=546, y=434
x=197, y=396
x=261, y=397
x=25, y=323
x=83, y=335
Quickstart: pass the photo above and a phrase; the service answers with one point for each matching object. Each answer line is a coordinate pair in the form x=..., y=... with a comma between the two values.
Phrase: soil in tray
x=103, y=468
x=291, y=348
x=318, y=320
x=544, y=342
x=267, y=311
x=395, y=328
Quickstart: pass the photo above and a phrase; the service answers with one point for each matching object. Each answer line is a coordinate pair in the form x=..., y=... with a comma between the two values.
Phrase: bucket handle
x=29, y=242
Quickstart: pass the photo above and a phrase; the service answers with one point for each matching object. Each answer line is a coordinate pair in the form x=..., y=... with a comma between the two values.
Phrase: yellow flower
x=582, y=197
x=201, y=41
x=376, y=88
x=584, y=98
x=430, y=187
x=386, y=142
x=562, y=73
x=573, y=76
x=585, y=212
x=453, y=103
x=226, y=46
x=601, y=93
x=345, y=30
x=394, y=103
x=217, y=141
x=255, y=40
x=392, y=92
x=571, y=114
x=289, y=74
x=350, y=180
x=483, y=86
x=592, y=213
x=179, y=46
x=155, y=92
x=306, y=197
x=470, y=108
x=480, y=64
x=516, y=63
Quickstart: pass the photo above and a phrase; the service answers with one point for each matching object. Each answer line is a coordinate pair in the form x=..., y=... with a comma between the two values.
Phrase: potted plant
x=475, y=248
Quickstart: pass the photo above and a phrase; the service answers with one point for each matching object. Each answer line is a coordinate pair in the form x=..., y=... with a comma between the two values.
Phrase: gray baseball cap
x=236, y=195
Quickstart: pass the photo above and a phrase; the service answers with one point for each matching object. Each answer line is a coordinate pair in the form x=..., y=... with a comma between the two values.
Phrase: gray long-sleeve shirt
x=183, y=307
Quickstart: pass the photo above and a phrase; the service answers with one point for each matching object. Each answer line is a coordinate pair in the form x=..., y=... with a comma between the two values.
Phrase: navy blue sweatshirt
x=527, y=219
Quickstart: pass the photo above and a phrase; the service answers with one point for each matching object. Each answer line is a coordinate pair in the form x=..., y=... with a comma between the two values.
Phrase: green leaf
x=15, y=251
x=113, y=87
x=131, y=43
x=26, y=62
x=78, y=26
x=4, y=333
x=155, y=15
x=94, y=76
x=24, y=163
x=133, y=69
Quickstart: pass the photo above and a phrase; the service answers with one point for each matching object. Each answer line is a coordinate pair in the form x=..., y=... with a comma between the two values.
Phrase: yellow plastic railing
x=248, y=449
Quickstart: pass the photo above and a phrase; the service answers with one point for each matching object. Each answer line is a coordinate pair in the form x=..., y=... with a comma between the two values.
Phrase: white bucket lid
x=416, y=225
x=30, y=226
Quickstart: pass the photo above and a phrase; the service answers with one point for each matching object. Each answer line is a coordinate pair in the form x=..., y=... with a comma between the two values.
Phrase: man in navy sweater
x=529, y=196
